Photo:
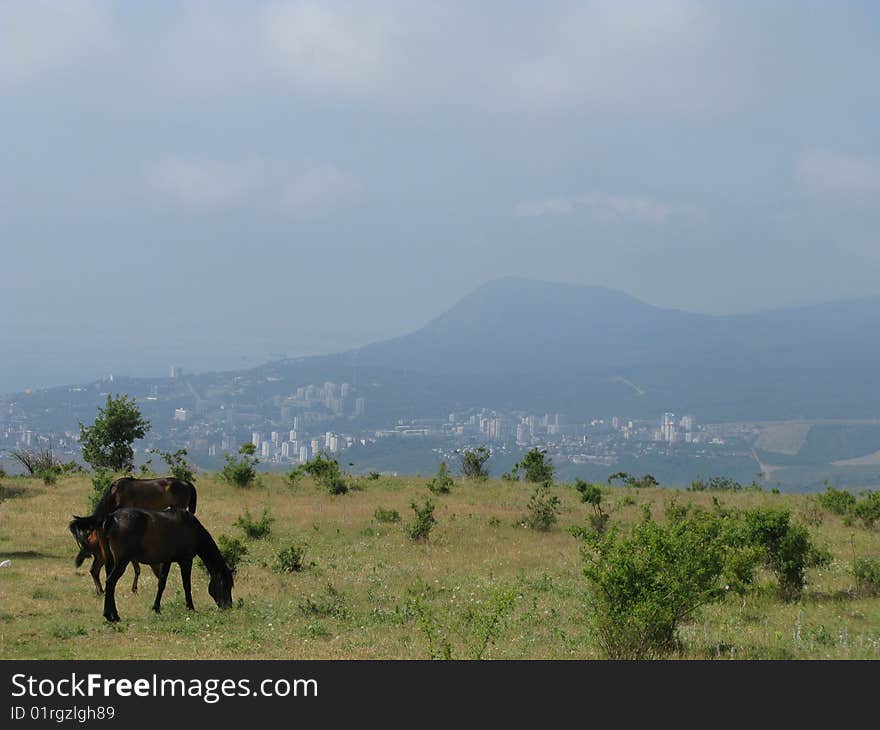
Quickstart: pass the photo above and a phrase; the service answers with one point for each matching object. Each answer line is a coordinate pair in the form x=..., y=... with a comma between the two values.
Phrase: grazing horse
x=129, y=492
x=161, y=538
x=85, y=531
x=147, y=494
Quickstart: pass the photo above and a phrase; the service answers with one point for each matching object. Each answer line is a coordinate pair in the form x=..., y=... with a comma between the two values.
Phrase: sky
x=213, y=184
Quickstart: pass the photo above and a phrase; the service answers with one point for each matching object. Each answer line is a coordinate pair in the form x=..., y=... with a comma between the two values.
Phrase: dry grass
x=48, y=608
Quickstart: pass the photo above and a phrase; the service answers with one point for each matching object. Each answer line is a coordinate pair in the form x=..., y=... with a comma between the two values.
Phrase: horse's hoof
x=112, y=618
x=156, y=609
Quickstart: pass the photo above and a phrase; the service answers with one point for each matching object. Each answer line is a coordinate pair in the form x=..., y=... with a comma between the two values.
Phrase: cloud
x=318, y=189
x=199, y=184
x=632, y=208
x=39, y=38
x=840, y=176
x=318, y=47
x=205, y=185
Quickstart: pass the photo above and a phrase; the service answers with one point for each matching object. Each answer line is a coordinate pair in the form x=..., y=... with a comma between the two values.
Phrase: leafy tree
x=867, y=509
x=108, y=443
x=473, y=462
x=837, y=501
x=242, y=471
x=536, y=467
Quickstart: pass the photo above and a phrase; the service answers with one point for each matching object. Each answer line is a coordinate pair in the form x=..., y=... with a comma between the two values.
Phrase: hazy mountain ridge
x=587, y=351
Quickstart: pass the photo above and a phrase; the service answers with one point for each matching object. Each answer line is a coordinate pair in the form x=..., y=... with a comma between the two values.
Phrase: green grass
x=368, y=591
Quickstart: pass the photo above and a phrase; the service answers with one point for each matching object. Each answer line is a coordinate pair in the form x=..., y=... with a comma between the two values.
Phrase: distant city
x=293, y=427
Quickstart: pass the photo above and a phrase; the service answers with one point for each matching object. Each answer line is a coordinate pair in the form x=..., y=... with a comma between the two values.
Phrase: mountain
x=524, y=343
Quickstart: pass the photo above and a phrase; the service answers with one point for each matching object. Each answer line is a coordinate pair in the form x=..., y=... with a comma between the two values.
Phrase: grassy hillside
x=368, y=591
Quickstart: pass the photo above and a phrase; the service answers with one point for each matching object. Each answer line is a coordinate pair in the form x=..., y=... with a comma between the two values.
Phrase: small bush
x=837, y=501
x=242, y=471
x=867, y=509
x=386, y=516
x=177, y=464
x=592, y=494
x=536, y=467
x=543, y=509
x=787, y=548
x=101, y=481
x=644, y=585
x=373, y=476
x=473, y=463
x=255, y=529
x=716, y=484
x=331, y=605
x=290, y=559
x=420, y=529
x=233, y=550
x=326, y=472
x=867, y=575
x=442, y=483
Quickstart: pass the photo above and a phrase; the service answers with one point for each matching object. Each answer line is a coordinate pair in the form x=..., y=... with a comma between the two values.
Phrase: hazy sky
x=207, y=182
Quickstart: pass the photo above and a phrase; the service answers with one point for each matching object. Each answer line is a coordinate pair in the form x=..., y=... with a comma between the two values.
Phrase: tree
x=241, y=472
x=107, y=444
x=536, y=467
x=473, y=462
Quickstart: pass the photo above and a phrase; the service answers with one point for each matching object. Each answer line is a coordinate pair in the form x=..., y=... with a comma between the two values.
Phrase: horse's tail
x=193, y=497
x=109, y=559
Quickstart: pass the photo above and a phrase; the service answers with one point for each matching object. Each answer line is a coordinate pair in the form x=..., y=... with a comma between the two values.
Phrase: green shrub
x=255, y=529
x=386, y=516
x=837, y=501
x=177, y=464
x=101, y=481
x=536, y=467
x=787, y=548
x=473, y=463
x=867, y=575
x=420, y=529
x=644, y=585
x=326, y=472
x=716, y=484
x=373, y=476
x=543, y=509
x=592, y=494
x=242, y=471
x=442, y=483
x=331, y=605
x=233, y=550
x=867, y=509
x=290, y=559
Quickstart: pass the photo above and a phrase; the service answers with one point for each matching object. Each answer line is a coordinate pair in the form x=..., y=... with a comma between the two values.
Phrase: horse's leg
x=185, y=573
x=137, y=574
x=163, y=576
x=110, y=612
x=95, y=570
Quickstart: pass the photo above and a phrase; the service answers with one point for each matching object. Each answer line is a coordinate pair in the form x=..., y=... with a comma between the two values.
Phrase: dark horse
x=128, y=492
x=85, y=531
x=161, y=538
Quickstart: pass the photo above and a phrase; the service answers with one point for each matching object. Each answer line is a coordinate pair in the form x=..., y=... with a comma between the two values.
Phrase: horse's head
x=220, y=586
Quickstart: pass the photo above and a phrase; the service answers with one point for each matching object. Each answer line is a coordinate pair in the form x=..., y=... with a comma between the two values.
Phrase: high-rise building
x=180, y=414
x=303, y=454
x=360, y=407
x=275, y=439
x=255, y=439
x=265, y=451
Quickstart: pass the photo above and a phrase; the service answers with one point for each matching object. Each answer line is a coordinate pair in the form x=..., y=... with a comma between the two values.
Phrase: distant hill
x=585, y=349
x=589, y=351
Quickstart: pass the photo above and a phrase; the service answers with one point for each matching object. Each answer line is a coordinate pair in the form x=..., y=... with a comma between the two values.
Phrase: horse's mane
x=105, y=505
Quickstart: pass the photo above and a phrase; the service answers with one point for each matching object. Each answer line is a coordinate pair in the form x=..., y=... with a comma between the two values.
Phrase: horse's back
x=156, y=494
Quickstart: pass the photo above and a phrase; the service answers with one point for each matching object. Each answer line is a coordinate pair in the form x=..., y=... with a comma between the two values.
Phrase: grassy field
x=356, y=598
